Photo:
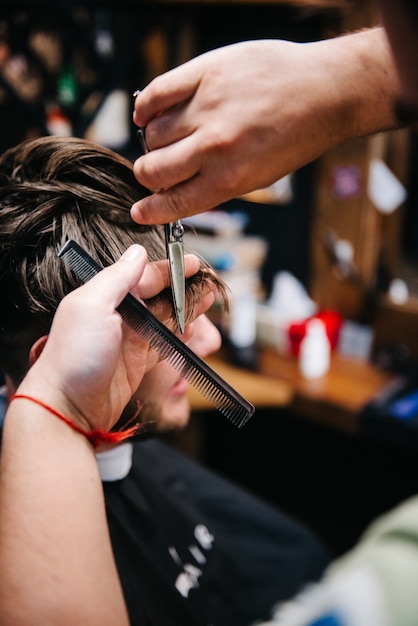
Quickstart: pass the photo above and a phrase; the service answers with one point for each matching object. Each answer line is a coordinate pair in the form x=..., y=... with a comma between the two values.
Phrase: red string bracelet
x=95, y=437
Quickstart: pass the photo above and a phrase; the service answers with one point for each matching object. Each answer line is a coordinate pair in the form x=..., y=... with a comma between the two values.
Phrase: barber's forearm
x=55, y=554
x=349, y=87
x=362, y=66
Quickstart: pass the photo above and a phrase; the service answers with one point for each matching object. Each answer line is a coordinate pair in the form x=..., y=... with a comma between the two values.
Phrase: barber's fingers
x=110, y=286
x=132, y=273
x=197, y=172
x=176, y=124
x=192, y=177
x=88, y=313
x=204, y=338
x=164, y=311
x=199, y=193
x=166, y=91
x=156, y=276
x=171, y=164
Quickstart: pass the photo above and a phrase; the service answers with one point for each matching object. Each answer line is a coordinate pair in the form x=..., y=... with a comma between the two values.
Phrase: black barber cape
x=193, y=549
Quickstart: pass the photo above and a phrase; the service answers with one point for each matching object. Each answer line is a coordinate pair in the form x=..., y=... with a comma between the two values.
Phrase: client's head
x=53, y=189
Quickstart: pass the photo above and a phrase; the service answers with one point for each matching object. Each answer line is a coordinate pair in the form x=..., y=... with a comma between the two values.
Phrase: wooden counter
x=260, y=389
x=335, y=399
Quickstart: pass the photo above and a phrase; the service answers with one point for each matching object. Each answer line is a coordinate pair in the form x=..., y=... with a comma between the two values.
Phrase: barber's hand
x=225, y=123
x=92, y=363
x=240, y=117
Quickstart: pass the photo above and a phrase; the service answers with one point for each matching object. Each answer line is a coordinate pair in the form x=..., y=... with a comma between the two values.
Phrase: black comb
x=224, y=397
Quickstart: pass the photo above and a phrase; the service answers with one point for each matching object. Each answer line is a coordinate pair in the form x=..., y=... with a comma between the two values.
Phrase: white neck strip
x=114, y=464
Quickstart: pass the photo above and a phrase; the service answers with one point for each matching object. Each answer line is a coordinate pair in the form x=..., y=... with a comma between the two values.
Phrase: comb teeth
x=224, y=397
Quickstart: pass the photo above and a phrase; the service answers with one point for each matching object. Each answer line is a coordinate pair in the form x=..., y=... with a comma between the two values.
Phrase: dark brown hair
x=53, y=189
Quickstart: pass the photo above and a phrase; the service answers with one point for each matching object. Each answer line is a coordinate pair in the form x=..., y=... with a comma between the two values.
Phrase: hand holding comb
x=224, y=397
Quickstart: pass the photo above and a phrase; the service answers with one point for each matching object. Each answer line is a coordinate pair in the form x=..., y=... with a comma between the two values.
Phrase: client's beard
x=147, y=415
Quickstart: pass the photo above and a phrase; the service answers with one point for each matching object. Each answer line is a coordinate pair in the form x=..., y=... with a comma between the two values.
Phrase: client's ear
x=36, y=349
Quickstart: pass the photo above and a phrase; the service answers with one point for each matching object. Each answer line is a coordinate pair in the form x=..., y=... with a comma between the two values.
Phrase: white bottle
x=243, y=319
x=315, y=350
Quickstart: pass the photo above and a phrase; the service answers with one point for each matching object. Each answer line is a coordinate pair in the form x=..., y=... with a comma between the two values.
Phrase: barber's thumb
x=134, y=254
x=132, y=264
